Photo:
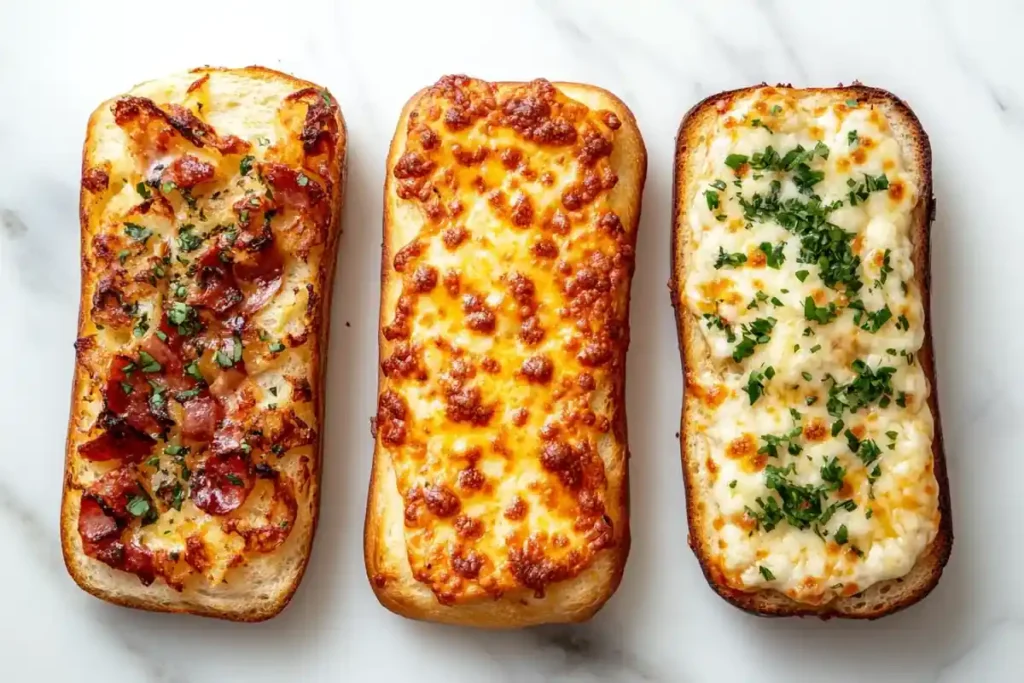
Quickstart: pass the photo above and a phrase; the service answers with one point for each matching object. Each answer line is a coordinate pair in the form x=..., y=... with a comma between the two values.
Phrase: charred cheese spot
x=528, y=321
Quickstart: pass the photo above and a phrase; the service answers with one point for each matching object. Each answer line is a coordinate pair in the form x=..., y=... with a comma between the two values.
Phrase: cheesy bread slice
x=210, y=211
x=812, y=449
x=499, y=494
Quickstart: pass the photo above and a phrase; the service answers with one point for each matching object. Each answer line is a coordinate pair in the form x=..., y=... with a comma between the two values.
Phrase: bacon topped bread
x=210, y=212
x=499, y=494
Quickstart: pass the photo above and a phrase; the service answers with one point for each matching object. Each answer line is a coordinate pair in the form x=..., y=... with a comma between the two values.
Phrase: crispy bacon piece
x=202, y=414
x=169, y=359
x=118, y=442
x=95, y=179
x=147, y=124
x=218, y=290
x=260, y=276
x=108, y=300
x=228, y=439
x=94, y=524
x=127, y=395
x=114, y=489
x=221, y=484
x=187, y=171
x=295, y=189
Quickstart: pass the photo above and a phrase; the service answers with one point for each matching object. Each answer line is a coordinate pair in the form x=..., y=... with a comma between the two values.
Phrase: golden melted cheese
x=246, y=168
x=504, y=337
x=888, y=491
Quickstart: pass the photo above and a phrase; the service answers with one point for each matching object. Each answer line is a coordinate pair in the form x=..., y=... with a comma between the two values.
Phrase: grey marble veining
x=956, y=61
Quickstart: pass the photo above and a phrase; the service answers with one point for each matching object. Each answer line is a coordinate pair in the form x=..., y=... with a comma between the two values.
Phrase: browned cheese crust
x=884, y=597
x=499, y=493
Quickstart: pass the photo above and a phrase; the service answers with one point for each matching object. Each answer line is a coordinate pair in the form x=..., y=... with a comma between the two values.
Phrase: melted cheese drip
x=896, y=517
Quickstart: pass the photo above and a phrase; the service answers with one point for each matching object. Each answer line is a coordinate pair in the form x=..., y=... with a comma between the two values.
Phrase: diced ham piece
x=201, y=416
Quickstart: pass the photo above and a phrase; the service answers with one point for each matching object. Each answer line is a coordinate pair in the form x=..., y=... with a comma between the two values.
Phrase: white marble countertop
x=957, y=63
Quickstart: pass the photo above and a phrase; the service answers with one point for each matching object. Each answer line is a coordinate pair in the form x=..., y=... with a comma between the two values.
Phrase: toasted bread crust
x=126, y=590
x=885, y=597
x=389, y=573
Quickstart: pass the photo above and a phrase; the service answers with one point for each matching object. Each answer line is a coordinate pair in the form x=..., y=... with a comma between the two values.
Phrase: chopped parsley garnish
x=801, y=275
x=773, y=441
x=756, y=381
x=188, y=394
x=188, y=240
x=876, y=320
x=276, y=347
x=859, y=192
x=885, y=270
x=245, y=165
x=802, y=505
x=902, y=323
x=712, y=197
x=713, y=320
x=302, y=180
x=147, y=363
x=832, y=474
x=851, y=103
x=842, y=535
x=192, y=370
x=735, y=161
x=138, y=506
x=719, y=184
x=184, y=317
x=732, y=484
x=868, y=387
x=178, y=496
x=732, y=260
x=821, y=242
x=766, y=573
x=758, y=298
x=142, y=326
x=137, y=232
x=774, y=255
x=758, y=123
x=143, y=191
x=820, y=314
x=234, y=479
x=756, y=332
x=851, y=138
x=176, y=449
x=867, y=450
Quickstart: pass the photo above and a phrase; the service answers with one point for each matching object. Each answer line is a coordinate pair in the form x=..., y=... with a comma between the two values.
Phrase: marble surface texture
x=956, y=62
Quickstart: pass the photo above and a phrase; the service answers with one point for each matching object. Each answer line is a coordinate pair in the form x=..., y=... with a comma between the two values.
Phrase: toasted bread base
x=262, y=588
x=387, y=560
x=885, y=597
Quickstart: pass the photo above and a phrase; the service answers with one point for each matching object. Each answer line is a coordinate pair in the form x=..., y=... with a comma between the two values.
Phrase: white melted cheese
x=897, y=516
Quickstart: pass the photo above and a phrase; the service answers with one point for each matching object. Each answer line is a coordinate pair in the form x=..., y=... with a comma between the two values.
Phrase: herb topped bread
x=811, y=444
